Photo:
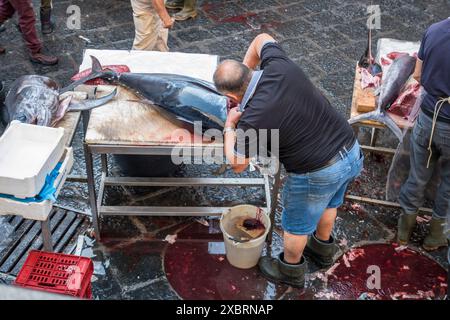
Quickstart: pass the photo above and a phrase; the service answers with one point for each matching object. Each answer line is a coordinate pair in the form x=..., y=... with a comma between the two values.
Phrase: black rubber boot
x=276, y=270
x=436, y=238
x=47, y=24
x=406, y=225
x=175, y=4
x=322, y=253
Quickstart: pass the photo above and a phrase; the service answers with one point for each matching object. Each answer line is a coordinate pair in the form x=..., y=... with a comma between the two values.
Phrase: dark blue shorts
x=306, y=196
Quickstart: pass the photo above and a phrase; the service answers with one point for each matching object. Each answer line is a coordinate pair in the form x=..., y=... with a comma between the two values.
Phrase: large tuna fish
x=37, y=100
x=183, y=98
x=393, y=82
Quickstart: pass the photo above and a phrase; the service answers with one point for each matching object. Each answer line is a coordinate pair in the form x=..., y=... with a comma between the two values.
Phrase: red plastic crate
x=57, y=273
x=88, y=293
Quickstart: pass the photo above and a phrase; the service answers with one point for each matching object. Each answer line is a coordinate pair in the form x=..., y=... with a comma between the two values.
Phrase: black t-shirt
x=311, y=131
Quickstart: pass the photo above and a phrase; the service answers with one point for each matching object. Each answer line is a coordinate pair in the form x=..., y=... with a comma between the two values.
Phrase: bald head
x=233, y=77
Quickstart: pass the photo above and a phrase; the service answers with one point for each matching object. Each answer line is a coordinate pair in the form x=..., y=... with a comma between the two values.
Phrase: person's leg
x=189, y=11
x=161, y=42
x=326, y=223
x=290, y=267
x=412, y=193
x=293, y=247
x=27, y=20
x=146, y=25
x=174, y=4
x=27, y=27
x=6, y=12
x=321, y=246
x=441, y=210
x=46, y=4
x=47, y=24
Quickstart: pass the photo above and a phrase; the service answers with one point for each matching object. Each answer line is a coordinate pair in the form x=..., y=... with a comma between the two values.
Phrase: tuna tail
x=366, y=59
x=91, y=103
x=97, y=72
x=380, y=117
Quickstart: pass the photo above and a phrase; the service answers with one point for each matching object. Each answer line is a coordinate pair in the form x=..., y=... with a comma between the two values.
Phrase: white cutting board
x=201, y=66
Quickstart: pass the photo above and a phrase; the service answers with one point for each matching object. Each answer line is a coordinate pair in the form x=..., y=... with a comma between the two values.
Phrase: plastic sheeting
x=400, y=166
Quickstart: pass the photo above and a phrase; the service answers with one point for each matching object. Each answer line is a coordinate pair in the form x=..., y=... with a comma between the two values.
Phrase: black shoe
x=2, y=27
x=320, y=252
x=276, y=270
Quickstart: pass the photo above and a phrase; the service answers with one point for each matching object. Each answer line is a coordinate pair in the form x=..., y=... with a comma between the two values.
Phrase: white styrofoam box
x=39, y=210
x=27, y=154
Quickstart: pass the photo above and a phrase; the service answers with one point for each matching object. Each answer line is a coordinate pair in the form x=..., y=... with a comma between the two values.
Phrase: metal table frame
x=372, y=148
x=96, y=199
x=46, y=230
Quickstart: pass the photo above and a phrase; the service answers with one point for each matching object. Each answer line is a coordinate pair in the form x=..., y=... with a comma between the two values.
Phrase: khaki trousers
x=149, y=31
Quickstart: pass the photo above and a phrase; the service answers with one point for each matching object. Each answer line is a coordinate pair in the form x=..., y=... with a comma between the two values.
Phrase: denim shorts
x=306, y=196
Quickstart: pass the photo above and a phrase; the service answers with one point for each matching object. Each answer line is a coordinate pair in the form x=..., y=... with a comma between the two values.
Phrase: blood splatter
x=404, y=274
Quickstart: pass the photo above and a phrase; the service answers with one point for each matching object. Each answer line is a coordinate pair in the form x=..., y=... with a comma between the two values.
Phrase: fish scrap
x=393, y=82
x=38, y=100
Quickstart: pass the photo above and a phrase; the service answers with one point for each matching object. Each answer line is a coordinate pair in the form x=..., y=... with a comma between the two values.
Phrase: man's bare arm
x=162, y=13
x=238, y=164
x=253, y=56
x=418, y=71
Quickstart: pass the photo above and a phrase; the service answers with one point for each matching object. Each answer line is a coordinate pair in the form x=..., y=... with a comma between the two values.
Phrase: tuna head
x=32, y=99
x=395, y=79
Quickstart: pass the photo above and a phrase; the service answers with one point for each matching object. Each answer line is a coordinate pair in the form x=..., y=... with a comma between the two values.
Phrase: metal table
x=375, y=126
x=127, y=126
x=96, y=198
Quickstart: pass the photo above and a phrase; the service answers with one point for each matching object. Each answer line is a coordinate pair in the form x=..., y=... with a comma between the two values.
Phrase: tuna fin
x=91, y=103
x=380, y=117
x=387, y=120
x=96, y=65
x=373, y=115
x=97, y=72
x=62, y=109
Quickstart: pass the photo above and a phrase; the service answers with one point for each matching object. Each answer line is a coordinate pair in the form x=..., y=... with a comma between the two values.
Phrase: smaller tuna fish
x=392, y=84
x=37, y=100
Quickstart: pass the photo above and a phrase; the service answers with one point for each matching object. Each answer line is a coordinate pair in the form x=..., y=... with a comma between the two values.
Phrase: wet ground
x=325, y=38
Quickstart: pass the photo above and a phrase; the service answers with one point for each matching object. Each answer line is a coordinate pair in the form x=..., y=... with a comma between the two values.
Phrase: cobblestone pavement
x=324, y=37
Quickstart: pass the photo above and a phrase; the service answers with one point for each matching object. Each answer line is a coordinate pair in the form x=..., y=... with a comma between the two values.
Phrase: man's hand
x=233, y=117
x=168, y=22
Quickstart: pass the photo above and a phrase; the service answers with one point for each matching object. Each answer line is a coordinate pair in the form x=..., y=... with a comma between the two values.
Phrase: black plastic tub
x=146, y=166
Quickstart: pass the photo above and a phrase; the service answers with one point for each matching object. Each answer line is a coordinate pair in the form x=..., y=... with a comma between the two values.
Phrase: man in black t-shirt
x=312, y=140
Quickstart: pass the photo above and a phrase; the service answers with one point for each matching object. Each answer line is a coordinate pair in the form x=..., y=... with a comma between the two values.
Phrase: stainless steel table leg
x=91, y=190
x=104, y=160
x=46, y=235
x=85, y=118
x=356, y=130
x=274, y=202
x=373, y=137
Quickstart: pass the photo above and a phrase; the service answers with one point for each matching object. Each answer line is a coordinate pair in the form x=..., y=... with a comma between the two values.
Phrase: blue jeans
x=306, y=196
x=413, y=191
